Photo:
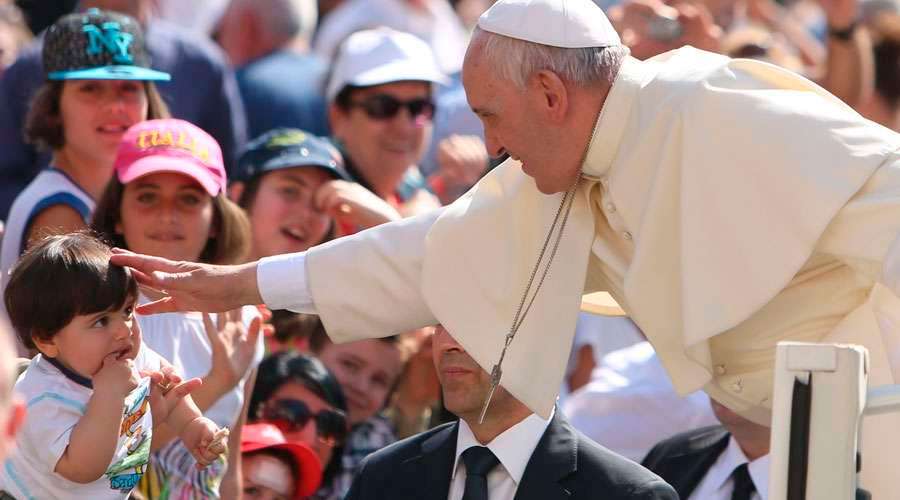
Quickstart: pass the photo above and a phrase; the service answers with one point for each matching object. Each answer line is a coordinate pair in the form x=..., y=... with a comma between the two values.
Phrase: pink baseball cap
x=171, y=145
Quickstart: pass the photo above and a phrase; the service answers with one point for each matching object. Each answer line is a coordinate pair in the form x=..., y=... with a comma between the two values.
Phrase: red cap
x=255, y=437
x=171, y=145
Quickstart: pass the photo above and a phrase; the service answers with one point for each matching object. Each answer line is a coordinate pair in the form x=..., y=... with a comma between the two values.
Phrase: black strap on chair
x=798, y=457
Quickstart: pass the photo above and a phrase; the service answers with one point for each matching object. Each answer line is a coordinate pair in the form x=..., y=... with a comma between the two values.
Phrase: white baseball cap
x=382, y=55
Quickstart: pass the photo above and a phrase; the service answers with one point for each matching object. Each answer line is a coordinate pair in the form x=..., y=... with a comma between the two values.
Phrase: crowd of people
x=236, y=130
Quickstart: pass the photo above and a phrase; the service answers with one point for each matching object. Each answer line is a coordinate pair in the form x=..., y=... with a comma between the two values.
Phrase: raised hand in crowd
x=233, y=346
x=650, y=27
x=353, y=206
x=849, y=71
x=462, y=160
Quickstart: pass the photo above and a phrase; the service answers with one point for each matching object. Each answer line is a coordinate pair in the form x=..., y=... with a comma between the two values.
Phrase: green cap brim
x=111, y=73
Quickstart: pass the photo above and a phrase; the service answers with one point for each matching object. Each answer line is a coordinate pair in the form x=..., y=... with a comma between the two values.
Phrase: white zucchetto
x=566, y=24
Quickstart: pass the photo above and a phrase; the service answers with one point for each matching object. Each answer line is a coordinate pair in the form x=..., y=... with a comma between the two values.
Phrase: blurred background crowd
x=334, y=116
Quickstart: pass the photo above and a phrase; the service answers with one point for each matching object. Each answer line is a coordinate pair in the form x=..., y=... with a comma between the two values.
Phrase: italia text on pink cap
x=171, y=145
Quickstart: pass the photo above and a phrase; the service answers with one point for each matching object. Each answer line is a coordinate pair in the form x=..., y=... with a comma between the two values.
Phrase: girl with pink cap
x=168, y=199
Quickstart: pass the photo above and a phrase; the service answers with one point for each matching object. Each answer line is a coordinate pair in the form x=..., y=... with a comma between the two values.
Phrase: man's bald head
x=250, y=29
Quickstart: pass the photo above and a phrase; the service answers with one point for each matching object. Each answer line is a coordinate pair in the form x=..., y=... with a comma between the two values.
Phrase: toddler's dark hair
x=61, y=277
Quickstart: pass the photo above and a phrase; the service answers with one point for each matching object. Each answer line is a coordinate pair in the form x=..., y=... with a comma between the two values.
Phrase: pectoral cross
x=562, y=215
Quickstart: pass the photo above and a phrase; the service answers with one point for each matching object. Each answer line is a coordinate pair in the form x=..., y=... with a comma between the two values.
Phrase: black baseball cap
x=97, y=45
x=288, y=148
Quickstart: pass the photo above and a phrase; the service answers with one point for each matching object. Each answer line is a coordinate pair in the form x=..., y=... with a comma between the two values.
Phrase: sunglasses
x=385, y=107
x=291, y=415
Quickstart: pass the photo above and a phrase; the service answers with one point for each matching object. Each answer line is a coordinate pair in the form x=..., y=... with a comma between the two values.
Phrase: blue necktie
x=479, y=461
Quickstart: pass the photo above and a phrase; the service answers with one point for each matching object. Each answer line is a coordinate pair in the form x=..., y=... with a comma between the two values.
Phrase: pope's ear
x=551, y=90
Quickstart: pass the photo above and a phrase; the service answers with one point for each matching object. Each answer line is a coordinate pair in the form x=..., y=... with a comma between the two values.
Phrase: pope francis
x=725, y=204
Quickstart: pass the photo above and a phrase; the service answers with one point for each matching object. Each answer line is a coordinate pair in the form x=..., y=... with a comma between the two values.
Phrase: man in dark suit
x=728, y=461
x=512, y=454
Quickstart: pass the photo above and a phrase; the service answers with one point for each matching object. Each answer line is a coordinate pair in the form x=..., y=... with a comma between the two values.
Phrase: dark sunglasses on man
x=291, y=415
x=385, y=107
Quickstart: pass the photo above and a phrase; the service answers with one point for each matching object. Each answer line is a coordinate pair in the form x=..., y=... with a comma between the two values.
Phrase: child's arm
x=233, y=350
x=93, y=441
x=201, y=436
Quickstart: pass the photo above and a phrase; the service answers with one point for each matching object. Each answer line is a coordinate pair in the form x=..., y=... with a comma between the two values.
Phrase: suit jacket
x=565, y=465
x=684, y=459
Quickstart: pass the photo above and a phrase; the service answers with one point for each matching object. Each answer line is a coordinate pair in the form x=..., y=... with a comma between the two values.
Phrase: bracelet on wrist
x=844, y=34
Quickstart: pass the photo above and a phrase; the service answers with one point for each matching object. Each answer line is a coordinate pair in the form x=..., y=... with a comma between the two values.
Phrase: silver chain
x=565, y=206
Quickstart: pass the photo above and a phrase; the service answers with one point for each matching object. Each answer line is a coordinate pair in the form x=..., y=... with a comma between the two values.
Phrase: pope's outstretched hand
x=191, y=286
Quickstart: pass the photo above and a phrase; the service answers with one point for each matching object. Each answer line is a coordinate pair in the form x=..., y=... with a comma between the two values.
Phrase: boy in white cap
x=681, y=185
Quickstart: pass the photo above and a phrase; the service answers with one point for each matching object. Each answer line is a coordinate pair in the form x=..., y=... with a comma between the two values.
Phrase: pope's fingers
x=144, y=263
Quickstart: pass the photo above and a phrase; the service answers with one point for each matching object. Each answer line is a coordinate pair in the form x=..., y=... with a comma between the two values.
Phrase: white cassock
x=727, y=205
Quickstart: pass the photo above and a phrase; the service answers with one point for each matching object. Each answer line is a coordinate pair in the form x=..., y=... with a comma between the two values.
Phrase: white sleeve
x=369, y=285
x=283, y=284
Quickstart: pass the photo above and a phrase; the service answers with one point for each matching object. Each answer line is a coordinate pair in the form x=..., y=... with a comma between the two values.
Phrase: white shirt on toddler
x=56, y=399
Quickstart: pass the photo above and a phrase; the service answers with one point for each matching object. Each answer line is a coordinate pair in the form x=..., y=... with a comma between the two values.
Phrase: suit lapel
x=430, y=472
x=554, y=458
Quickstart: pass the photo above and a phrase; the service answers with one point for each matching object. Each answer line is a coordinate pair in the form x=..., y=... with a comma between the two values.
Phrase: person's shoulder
x=600, y=469
x=41, y=386
x=28, y=66
x=285, y=73
x=686, y=442
x=404, y=449
x=185, y=44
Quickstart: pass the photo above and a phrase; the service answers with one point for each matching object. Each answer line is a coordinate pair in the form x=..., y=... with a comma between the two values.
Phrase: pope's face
x=515, y=123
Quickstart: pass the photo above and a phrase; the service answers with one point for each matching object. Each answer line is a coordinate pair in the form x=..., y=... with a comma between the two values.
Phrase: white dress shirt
x=717, y=483
x=282, y=286
x=513, y=448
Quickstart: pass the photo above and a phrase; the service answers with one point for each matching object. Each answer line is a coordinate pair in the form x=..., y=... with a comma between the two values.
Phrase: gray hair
x=288, y=18
x=516, y=60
